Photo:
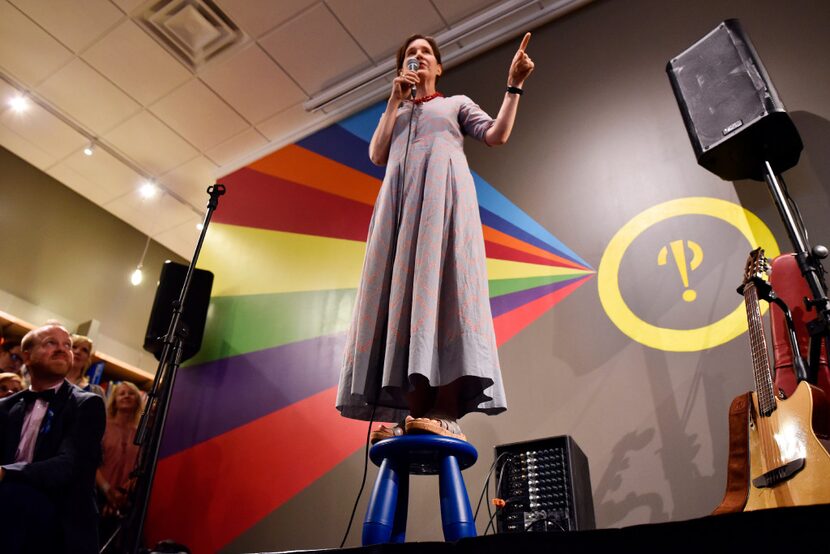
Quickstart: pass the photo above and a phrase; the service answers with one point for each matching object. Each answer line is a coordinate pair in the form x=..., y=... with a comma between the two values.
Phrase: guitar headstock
x=756, y=271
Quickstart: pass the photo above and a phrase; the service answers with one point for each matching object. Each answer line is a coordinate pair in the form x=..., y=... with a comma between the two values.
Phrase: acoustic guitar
x=788, y=466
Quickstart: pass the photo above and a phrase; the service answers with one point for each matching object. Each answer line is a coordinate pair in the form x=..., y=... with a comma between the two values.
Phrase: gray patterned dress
x=423, y=305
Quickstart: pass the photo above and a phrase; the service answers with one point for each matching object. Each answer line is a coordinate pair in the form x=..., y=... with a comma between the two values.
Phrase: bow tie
x=30, y=396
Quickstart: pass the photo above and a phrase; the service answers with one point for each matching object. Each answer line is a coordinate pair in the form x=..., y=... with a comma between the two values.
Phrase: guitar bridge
x=779, y=474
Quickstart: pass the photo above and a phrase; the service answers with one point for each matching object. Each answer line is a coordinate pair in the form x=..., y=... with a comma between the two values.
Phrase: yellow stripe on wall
x=504, y=269
x=245, y=260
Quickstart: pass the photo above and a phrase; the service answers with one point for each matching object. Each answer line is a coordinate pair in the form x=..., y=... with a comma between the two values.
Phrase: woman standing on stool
x=421, y=349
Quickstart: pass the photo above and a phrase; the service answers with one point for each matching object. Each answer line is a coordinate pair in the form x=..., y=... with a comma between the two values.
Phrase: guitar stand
x=809, y=262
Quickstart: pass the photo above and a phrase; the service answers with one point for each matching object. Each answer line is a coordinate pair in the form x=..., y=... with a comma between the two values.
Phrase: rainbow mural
x=252, y=420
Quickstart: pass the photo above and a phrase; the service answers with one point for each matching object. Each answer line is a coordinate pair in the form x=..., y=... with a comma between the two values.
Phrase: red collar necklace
x=427, y=98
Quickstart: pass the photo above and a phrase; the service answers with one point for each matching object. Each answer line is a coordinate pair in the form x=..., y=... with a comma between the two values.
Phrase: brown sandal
x=383, y=432
x=435, y=426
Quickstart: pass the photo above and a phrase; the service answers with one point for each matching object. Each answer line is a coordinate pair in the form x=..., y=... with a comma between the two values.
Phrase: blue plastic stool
x=420, y=455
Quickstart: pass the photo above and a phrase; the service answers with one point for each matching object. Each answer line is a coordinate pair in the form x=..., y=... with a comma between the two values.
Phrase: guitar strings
x=763, y=382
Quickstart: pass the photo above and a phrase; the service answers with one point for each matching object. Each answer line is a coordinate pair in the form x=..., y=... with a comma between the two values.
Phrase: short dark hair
x=409, y=40
x=7, y=345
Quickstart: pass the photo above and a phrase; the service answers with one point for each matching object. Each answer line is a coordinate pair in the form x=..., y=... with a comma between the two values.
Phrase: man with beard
x=50, y=447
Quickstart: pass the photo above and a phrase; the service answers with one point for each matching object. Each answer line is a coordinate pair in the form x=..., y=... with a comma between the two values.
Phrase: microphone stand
x=151, y=427
x=809, y=262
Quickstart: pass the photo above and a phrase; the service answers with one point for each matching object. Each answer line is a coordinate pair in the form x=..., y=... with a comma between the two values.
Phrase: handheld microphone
x=412, y=64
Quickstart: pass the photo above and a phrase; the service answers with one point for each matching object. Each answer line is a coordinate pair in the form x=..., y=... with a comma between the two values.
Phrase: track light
x=137, y=276
x=19, y=103
x=148, y=190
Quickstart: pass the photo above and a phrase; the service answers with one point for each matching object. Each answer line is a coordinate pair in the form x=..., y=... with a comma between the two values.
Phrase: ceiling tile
x=231, y=79
x=151, y=144
x=77, y=23
x=291, y=124
x=256, y=17
x=128, y=57
x=27, y=52
x=40, y=127
x=80, y=184
x=191, y=180
x=182, y=239
x=454, y=11
x=199, y=115
x=128, y=6
x=315, y=49
x=380, y=26
x=105, y=172
x=24, y=149
x=84, y=94
x=237, y=148
x=150, y=216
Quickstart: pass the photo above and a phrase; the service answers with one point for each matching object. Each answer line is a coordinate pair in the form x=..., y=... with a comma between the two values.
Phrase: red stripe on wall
x=263, y=201
x=502, y=252
x=209, y=494
x=510, y=323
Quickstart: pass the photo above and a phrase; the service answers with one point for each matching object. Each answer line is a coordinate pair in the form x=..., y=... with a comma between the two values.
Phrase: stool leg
x=456, y=513
x=402, y=506
x=381, y=520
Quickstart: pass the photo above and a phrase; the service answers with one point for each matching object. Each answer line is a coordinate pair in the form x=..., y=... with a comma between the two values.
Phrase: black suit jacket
x=67, y=454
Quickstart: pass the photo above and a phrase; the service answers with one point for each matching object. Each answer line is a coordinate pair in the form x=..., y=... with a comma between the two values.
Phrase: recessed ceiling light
x=19, y=103
x=200, y=226
x=148, y=190
x=89, y=149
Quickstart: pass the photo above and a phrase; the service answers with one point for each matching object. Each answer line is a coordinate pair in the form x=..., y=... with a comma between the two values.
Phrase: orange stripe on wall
x=494, y=235
x=312, y=170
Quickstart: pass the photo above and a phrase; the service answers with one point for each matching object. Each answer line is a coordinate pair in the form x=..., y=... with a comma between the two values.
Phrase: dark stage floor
x=764, y=531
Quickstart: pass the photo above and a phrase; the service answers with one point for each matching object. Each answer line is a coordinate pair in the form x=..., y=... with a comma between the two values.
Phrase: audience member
x=113, y=477
x=50, y=447
x=10, y=383
x=82, y=351
x=10, y=358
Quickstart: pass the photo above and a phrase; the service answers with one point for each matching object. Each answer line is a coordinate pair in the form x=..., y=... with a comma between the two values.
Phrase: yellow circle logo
x=678, y=340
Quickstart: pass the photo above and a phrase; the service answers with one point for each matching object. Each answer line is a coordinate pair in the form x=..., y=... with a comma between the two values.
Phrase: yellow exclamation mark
x=679, y=255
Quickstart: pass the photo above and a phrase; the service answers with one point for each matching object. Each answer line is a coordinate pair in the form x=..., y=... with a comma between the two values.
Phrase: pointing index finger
x=525, y=40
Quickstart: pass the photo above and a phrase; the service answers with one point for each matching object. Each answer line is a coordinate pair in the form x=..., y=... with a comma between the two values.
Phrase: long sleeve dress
x=422, y=306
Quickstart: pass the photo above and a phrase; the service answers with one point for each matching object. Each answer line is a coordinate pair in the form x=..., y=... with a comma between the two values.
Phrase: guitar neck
x=760, y=356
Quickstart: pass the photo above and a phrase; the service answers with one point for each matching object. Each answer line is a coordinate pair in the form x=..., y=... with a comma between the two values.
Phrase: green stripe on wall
x=500, y=287
x=241, y=324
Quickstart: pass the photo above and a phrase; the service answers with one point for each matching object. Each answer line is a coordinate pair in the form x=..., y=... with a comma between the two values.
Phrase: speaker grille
x=733, y=115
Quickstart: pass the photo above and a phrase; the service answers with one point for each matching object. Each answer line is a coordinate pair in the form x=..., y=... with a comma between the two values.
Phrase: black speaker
x=733, y=114
x=193, y=314
x=546, y=486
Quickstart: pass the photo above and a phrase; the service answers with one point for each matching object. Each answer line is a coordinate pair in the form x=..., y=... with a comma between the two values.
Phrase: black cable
x=374, y=406
x=498, y=491
x=363, y=480
x=487, y=483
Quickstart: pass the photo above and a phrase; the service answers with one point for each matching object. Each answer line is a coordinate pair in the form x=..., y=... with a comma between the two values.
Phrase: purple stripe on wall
x=215, y=397
x=507, y=302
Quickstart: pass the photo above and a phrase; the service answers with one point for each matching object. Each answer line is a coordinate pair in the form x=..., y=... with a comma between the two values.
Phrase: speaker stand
x=150, y=428
x=809, y=262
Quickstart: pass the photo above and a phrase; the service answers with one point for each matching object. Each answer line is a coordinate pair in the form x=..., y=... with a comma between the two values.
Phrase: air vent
x=195, y=31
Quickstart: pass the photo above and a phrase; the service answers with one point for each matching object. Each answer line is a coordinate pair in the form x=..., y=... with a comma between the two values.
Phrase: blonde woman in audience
x=10, y=383
x=82, y=359
x=119, y=452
